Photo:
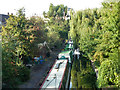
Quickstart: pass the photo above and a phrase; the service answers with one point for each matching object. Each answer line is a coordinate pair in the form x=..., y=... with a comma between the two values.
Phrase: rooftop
x=55, y=76
x=63, y=52
x=3, y=17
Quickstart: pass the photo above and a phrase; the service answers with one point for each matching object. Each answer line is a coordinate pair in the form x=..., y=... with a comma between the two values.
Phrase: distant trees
x=56, y=24
x=56, y=11
x=36, y=28
x=96, y=33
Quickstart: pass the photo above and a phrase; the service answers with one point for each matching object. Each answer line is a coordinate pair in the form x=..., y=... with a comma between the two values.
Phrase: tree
x=96, y=33
x=14, y=36
x=108, y=74
x=53, y=39
x=36, y=29
x=15, y=46
x=56, y=23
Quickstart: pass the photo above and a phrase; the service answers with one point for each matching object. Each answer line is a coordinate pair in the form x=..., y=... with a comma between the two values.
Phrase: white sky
x=38, y=6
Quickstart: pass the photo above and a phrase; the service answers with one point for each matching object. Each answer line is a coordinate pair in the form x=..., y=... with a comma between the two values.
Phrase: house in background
x=3, y=18
x=68, y=13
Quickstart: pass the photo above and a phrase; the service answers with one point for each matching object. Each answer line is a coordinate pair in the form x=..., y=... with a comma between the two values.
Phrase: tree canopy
x=56, y=24
x=96, y=33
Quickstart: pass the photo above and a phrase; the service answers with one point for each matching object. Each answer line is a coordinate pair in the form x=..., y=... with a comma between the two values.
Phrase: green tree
x=14, y=47
x=108, y=74
x=96, y=33
x=14, y=36
x=36, y=29
x=57, y=23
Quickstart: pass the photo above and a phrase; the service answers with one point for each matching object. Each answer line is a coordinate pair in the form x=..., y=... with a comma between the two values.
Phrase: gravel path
x=39, y=72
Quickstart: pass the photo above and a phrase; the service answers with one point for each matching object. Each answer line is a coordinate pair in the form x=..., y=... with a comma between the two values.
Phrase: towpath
x=39, y=72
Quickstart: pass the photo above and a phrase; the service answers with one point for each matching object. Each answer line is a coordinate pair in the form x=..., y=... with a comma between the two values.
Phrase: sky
x=37, y=7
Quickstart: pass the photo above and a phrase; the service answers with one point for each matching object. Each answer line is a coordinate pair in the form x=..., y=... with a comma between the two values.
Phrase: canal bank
x=82, y=74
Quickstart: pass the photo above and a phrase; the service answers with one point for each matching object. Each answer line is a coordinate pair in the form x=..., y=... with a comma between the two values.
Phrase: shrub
x=12, y=75
x=108, y=74
x=24, y=74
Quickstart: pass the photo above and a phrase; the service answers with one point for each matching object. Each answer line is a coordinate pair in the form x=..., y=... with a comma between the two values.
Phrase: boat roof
x=76, y=52
x=69, y=46
x=63, y=52
x=71, y=42
x=55, y=76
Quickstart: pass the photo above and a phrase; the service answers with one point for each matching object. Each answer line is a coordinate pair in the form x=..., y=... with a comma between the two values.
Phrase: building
x=3, y=19
x=68, y=14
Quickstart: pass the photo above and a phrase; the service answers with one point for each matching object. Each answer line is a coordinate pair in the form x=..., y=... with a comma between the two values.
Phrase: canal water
x=70, y=84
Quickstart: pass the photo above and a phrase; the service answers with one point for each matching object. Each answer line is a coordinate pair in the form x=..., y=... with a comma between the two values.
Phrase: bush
x=108, y=74
x=48, y=54
x=97, y=64
x=83, y=75
x=24, y=74
x=12, y=75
